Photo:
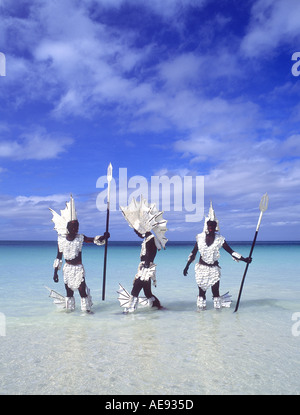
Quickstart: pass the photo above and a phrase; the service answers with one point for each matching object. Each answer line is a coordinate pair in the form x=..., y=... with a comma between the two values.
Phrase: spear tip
x=263, y=206
x=109, y=172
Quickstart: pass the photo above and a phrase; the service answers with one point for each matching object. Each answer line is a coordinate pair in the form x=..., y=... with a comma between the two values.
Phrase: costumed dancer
x=70, y=246
x=207, y=271
x=149, y=225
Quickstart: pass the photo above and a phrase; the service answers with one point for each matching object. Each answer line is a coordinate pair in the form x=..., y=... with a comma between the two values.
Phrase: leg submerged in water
x=134, y=297
x=220, y=301
x=70, y=300
x=70, y=303
x=153, y=301
x=201, y=303
x=201, y=300
x=86, y=299
x=133, y=304
x=216, y=295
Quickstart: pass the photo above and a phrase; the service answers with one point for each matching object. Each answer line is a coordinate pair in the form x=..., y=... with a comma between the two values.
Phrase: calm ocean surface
x=45, y=350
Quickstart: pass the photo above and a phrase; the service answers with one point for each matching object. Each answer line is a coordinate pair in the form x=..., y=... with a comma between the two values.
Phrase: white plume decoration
x=144, y=217
x=211, y=217
x=66, y=215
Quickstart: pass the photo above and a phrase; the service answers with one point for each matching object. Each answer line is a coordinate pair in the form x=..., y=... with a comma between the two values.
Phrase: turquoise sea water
x=45, y=350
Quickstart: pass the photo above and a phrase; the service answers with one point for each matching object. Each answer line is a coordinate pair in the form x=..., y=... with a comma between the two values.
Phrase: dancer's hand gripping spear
x=263, y=206
x=109, y=178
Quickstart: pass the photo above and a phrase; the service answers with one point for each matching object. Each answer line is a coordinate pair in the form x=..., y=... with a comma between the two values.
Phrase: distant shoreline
x=138, y=243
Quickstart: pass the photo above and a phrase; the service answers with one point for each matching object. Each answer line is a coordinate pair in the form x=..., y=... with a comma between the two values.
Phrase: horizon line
x=169, y=241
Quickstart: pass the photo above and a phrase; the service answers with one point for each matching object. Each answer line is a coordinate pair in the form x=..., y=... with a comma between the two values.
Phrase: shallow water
x=173, y=351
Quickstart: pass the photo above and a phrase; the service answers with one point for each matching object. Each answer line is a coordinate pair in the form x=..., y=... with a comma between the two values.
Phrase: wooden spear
x=263, y=206
x=109, y=178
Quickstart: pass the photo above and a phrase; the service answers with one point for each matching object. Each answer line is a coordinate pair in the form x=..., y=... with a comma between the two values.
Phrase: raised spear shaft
x=109, y=178
x=263, y=206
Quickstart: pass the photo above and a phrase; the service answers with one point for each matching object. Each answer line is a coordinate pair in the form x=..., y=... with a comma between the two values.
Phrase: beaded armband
x=236, y=256
x=57, y=263
x=97, y=240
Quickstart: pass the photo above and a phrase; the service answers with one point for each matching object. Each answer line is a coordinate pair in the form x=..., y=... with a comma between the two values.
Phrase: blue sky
x=176, y=88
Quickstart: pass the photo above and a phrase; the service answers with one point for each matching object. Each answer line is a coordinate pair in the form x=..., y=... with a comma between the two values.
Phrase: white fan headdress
x=211, y=217
x=66, y=215
x=144, y=217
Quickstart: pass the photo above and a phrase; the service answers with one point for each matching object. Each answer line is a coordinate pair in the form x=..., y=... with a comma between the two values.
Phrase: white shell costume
x=146, y=273
x=143, y=217
x=73, y=275
x=206, y=276
x=207, y=271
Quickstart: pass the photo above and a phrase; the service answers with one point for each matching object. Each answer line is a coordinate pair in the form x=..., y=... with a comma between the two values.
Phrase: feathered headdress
x=211, y=217
x=144, y=217
x=66, y=215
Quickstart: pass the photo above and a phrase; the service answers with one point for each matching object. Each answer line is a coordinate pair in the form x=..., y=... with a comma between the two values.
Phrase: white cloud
x=201, y=148
x=167, y=9
x=28, y=217
x=34, y=146
x=64, y=54
x=71, y=103
x=181, y=69
x=187, y=70
x=272, y=23
x=90, y=66
x=80, y=64
x=55, y=199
